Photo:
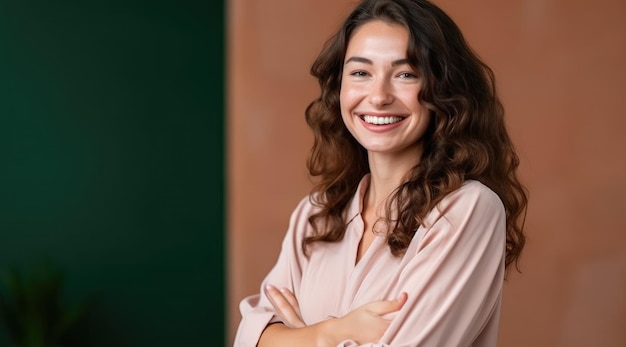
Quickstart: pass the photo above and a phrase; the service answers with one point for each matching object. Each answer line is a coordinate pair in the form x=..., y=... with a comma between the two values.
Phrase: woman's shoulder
x=309, y=201
x=306, y=206
x=472, y=191
x=475, y=189
x=472, y=198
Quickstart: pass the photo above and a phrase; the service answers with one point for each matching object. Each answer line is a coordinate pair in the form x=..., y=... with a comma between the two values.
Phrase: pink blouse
x=453, y=273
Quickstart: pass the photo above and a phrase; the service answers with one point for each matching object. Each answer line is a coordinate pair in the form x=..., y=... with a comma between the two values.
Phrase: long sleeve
x=256, y=310
x=453, y=274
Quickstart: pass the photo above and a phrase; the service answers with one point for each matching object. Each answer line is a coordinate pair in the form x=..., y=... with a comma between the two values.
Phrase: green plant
x=31, y=307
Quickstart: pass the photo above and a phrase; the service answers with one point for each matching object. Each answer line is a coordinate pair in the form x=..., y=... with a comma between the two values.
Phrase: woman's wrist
x=323, y=334
x=329, y=333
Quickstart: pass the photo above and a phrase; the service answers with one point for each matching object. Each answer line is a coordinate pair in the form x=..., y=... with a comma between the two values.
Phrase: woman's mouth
x=376, y=120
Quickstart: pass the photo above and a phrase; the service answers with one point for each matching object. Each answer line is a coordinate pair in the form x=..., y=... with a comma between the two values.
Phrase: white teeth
x=381, y=120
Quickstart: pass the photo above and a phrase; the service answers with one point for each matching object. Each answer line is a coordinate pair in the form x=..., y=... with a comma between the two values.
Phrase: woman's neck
x=387, y=173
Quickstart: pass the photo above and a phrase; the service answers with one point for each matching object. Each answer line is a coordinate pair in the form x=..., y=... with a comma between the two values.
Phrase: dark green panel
x=111, y=162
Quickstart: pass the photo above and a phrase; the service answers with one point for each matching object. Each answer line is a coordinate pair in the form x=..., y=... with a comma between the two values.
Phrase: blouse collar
x=356, y=205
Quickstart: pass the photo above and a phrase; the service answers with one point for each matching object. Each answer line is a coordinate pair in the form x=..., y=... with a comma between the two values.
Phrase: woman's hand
x=286, y=306
x=366, y=324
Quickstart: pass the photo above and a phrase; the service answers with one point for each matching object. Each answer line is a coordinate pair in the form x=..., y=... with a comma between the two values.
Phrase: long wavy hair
x=466, y=139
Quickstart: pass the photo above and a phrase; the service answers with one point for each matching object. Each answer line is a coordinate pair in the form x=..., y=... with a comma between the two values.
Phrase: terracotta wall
x=561, y=71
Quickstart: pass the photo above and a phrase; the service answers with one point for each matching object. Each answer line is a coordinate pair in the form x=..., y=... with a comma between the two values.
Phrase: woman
x=416, y=212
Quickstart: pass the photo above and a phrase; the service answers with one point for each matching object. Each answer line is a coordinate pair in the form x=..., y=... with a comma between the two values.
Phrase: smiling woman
x=414, y=219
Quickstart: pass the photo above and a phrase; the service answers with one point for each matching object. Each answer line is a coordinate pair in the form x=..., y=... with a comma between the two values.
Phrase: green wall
x=112, y=162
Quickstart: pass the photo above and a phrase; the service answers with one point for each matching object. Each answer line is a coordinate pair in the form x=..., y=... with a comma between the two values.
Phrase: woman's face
x=379, y=103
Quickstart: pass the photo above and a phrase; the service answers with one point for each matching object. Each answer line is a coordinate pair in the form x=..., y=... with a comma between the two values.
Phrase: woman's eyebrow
x=359, y=60
x=370, y=62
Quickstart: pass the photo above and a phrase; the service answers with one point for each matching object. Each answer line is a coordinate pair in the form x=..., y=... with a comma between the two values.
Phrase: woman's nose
x=380, y=93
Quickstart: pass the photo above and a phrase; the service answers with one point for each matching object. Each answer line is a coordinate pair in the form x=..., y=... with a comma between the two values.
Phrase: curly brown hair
x=467, y=138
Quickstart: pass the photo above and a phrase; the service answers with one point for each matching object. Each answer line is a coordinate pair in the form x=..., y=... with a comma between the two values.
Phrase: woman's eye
x=359, y=73
x=407, y=75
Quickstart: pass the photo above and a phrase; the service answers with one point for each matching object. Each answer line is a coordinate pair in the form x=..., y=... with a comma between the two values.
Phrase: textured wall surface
x=560, y=72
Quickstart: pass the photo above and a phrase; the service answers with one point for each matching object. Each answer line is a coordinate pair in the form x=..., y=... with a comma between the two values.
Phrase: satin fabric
x=452, y=271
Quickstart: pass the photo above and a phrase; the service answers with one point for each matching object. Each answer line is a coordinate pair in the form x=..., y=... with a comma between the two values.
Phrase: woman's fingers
x=291, y=299
x=286, y=306
x=384, y=307
x=281, y=305
x=368, y=323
